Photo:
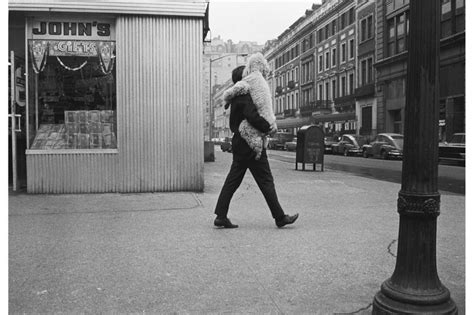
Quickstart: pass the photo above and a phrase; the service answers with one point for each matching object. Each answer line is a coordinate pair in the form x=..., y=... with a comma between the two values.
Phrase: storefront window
x=74, y=85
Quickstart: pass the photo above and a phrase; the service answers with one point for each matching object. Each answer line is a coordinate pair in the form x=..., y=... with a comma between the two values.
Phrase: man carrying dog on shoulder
x=243, y=107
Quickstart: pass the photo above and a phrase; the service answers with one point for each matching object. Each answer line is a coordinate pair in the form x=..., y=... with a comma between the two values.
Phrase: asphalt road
x=450, y=178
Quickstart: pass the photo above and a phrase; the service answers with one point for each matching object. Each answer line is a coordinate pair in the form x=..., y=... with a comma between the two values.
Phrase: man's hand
x=273, y=129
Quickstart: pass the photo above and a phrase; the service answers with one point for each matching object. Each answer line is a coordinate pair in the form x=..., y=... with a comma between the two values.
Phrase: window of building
x=343, y=20
x=343, y=52
x=370, y=70
x=326, y=31
x=327, y=59
x=333, y=27
x=334, y=89
x=351, y=49
x=363, y=30
x=296, y=74
x=397, y=32
x=75, y=93
x=320, y=63
x=343, y=86
x=320, y=91
x=363, y=72
x=333, y=57
x=351, y=16
x=395, y=5
x=351, y=83
x=366, y=31
x=370, y=32
x=366, y=72
x=452, y=17
x=326, y=91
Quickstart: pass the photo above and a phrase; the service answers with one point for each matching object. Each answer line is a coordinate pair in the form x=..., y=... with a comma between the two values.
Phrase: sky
x=257, y=20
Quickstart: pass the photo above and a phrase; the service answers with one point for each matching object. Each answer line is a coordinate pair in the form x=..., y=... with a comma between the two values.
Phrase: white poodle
x=253, y=82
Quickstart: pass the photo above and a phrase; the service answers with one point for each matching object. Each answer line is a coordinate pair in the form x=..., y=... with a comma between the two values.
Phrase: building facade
x=112, y=94
x=366, y=102
x=314, y=69
x=343, y=66
x=336, y=60
x=393, y=19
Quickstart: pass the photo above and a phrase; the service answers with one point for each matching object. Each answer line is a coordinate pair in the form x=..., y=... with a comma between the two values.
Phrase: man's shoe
x=287, y=219
x=225, y=223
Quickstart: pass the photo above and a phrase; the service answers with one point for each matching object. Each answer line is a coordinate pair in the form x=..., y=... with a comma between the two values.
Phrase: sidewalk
x=159, y=253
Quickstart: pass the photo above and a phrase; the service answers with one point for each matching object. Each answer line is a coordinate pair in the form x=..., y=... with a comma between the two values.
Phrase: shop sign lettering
x=72, y=48
x=73, y=28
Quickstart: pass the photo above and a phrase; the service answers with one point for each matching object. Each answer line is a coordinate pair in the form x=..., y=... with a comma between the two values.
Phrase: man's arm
x=251, y=114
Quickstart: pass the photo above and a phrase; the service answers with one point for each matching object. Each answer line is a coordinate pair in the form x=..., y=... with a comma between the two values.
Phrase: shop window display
x=75, y=97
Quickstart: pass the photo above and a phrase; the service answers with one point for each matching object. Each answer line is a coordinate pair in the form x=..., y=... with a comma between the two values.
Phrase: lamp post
x=211, y=108
x=414, y=286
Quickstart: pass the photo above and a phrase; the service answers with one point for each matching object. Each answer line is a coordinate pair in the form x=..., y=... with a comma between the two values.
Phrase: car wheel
x=384, y=155
x=365, y=154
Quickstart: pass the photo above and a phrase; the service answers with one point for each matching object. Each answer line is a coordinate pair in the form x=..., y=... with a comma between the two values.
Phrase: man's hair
x=237, y=74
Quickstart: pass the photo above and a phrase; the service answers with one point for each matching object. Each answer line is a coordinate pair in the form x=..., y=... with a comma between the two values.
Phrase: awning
x=293, y=122
x=334, y=117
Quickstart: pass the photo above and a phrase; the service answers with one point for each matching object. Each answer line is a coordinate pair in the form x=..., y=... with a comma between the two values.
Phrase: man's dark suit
x=244, y=158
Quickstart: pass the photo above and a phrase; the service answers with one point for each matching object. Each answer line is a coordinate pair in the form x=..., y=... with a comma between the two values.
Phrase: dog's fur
x=253, y=82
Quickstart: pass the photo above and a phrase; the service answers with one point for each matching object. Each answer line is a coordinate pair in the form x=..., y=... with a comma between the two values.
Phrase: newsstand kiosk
x=112, y=94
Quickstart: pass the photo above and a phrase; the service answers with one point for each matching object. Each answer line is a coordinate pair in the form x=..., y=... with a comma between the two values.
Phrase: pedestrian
x=243, y=158
x=253, y=82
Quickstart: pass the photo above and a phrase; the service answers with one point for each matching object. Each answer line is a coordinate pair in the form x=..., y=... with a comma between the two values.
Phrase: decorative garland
x=71, y=69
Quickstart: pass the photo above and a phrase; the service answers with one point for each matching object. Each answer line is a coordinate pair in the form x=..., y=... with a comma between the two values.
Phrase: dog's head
x=256, y=62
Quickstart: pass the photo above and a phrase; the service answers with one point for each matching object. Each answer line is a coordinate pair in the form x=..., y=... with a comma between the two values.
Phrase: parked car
x=328, y=142
x=226, y=145
x=279, y=139
x=291, y=145
x=349, y=145
x=386, y=145
x=453, y=150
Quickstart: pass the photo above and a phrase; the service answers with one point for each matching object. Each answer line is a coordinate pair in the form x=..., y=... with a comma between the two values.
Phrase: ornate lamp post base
x=407, y=303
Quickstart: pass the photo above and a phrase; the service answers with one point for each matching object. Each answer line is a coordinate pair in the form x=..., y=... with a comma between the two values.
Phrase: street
x=159, y=253
x=450, y=178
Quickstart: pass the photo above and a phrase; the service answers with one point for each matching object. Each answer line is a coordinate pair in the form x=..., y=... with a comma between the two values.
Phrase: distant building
x=221, y=57
x=343, y=66
x=393, y=25
x=366, y=102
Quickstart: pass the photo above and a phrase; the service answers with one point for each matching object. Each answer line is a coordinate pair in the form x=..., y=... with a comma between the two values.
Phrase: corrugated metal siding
x=159, y=116
x=170, y=8
x=71, y=173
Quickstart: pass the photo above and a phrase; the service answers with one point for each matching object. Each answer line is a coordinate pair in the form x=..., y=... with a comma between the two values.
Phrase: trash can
x=310, y=146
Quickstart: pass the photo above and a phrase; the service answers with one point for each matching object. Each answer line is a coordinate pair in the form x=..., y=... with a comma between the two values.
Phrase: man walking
x=242, y=107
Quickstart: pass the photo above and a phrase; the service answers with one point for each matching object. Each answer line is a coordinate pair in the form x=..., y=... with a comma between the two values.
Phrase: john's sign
x=72, y=29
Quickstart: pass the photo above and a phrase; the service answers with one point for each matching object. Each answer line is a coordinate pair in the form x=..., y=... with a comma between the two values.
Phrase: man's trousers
x=262, y=174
